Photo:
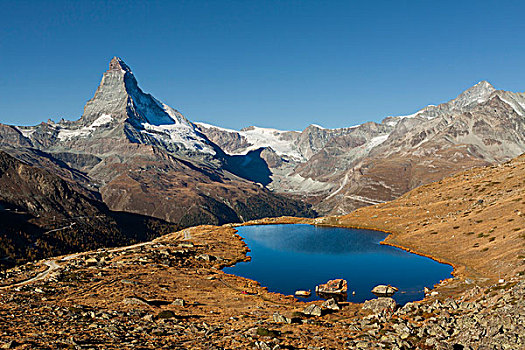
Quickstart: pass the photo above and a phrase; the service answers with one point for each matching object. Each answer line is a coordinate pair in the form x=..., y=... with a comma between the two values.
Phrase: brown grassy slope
x=474, y=220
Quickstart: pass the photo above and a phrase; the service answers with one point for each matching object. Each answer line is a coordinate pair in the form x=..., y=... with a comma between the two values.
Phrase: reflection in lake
x=286, y=258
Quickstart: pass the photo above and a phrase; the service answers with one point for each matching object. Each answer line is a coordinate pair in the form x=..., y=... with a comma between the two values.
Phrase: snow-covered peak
x=317, y=126
x=120, y=96
x=478, y=93
x=473, y=96
x=485, y=85
x=117, y=63
x=120, y=104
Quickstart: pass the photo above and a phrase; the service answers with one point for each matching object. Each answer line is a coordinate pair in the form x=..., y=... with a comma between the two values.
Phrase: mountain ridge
x=125, y=137
x=341, y=169
x=44, y=215
x=144, y=157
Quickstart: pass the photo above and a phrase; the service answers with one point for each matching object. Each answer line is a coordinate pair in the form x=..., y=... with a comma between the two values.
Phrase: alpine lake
x=287, y=258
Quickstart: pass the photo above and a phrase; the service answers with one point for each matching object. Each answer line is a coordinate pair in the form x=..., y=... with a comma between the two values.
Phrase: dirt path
x=53, y=264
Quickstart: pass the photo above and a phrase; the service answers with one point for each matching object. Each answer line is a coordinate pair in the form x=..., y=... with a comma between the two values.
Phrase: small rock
x=403, y=331
x=205, y=257
x=128, y=282
x=380, y=304
x=262, y=346
x=134, y=301
x=178, y=302
x=312, y=310
x=158, y=332
x=91, y=262
x=331, y=304
x=278, y=318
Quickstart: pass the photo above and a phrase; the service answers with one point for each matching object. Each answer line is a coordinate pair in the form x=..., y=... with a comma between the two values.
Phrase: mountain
x=43, y=215
x=339, y=170
x=120, y=112
x=139, y=155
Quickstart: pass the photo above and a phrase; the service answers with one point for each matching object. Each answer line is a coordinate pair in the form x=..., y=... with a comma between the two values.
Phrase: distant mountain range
x=339, y=170
x=131, y=153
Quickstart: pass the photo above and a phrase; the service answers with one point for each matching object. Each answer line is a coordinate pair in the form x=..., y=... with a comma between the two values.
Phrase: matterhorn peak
x=121, y=104
x=117, y=63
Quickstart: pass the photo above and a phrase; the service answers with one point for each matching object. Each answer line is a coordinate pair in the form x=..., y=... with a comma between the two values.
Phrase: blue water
x=286, y=258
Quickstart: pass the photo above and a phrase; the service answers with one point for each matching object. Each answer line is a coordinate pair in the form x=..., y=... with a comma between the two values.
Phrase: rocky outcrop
x=380, y=304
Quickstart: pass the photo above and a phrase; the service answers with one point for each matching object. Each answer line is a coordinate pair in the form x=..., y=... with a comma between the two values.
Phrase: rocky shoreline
x=171, y=293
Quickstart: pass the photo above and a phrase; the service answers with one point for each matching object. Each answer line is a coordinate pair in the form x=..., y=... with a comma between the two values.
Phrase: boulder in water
x=337, y=286
x=384, y=290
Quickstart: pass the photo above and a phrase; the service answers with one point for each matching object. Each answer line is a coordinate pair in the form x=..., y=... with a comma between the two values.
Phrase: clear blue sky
x=283, y=64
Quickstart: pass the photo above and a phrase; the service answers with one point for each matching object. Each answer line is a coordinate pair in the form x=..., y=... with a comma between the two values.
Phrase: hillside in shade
x=43, y=215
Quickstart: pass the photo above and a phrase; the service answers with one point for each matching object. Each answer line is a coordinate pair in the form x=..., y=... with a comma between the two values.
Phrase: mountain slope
x=486, y=132
x=475, y=219
x=139, y=155
x=43, y=215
